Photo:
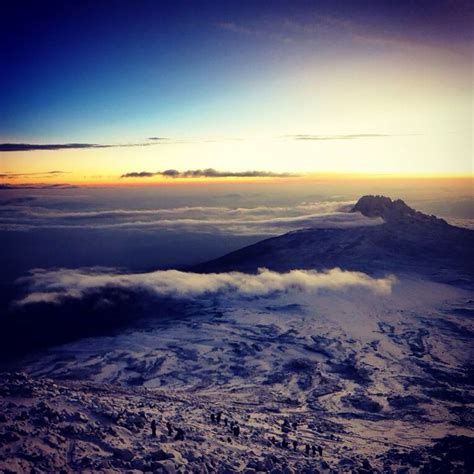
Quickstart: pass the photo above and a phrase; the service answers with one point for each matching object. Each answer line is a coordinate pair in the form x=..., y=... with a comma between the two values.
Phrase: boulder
x=161, y=455
x=165, y=467
x=124, y=454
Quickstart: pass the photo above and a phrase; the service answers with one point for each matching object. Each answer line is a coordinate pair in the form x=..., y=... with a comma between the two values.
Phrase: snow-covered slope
x=382, y=381
x=371, y=378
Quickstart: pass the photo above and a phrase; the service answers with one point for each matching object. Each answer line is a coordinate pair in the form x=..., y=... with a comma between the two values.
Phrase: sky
x=126, y=93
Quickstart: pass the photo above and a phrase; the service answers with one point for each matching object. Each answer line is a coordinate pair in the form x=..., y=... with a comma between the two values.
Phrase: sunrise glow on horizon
x=305, y=89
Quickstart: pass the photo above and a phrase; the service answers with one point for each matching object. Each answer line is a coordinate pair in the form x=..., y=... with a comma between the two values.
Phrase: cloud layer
x=207, y=173
x=56, y=286
x=262, y=220
x=11, y=147
x=6, y=186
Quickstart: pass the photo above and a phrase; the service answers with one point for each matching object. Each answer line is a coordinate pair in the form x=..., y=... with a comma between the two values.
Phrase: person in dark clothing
x=236, y=430
x=306, y=449
x=273, y=440
x=179, y=434
x=153, y=428
x=225, y=421
x=313, y=449
x=320, y=451
x=286, y=427
x=169, y=426
x=213, y=418
x=218, y=417
x=284, y=443
x=295, y=445
x=295, y=425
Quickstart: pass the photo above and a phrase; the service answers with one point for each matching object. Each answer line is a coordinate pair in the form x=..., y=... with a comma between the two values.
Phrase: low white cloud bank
x=55, y=286
x=461, y=222
x=260, y=220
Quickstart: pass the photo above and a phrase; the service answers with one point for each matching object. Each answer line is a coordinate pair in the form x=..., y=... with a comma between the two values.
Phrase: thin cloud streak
x=9, y=147
x=6, y=187
x=208, y=173
x=12, y=147
x=44, y=174
x=338, y=137
x=139, y=174
x=152, y=141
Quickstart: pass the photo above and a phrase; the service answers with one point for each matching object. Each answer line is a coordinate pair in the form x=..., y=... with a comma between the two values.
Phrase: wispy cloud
x=207, y=173
x=12, y=147
x=316, y=28
x=338, y=137
x=259, y=30
x=4, y=186
x=235, y=28
x=44, y=174
x=17, y=201
x=55, y=286
x=50, y=146
x=139, y=174
x=156, y=141
x=264, y=221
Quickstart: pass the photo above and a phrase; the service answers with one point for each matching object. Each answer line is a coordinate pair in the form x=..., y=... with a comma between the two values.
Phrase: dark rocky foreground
x=50, y=426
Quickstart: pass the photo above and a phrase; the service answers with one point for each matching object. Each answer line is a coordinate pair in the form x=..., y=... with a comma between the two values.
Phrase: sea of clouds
x=259, y=220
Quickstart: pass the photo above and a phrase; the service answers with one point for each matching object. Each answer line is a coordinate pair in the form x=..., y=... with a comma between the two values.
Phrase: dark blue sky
x=78, y=69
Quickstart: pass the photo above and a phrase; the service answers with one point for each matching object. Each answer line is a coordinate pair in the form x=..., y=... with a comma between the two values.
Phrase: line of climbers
x=234, y=428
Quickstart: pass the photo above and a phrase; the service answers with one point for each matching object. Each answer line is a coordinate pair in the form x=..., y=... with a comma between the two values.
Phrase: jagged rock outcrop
x=392, y=211
x=382, y=206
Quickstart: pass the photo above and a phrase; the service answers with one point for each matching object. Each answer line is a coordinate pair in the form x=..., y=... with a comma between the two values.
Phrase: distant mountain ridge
x=409, y=241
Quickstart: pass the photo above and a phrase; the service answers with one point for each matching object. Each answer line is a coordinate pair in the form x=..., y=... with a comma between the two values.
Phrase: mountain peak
x=396, y=211
x=382, y=206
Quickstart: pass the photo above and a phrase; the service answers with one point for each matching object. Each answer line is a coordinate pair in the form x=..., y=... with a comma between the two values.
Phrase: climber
x=179, y=434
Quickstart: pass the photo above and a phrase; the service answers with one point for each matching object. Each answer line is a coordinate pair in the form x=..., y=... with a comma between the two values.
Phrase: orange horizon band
x=307, y=177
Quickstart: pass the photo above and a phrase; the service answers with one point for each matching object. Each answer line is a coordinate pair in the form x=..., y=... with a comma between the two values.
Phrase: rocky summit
x=392, y=211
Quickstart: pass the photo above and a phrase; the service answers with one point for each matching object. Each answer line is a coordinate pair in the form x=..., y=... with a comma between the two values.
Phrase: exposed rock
x=382, y=206
x=161, y=455
x=8, y=437
x=166, y=467
x=124, y=454
x=362, y=402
